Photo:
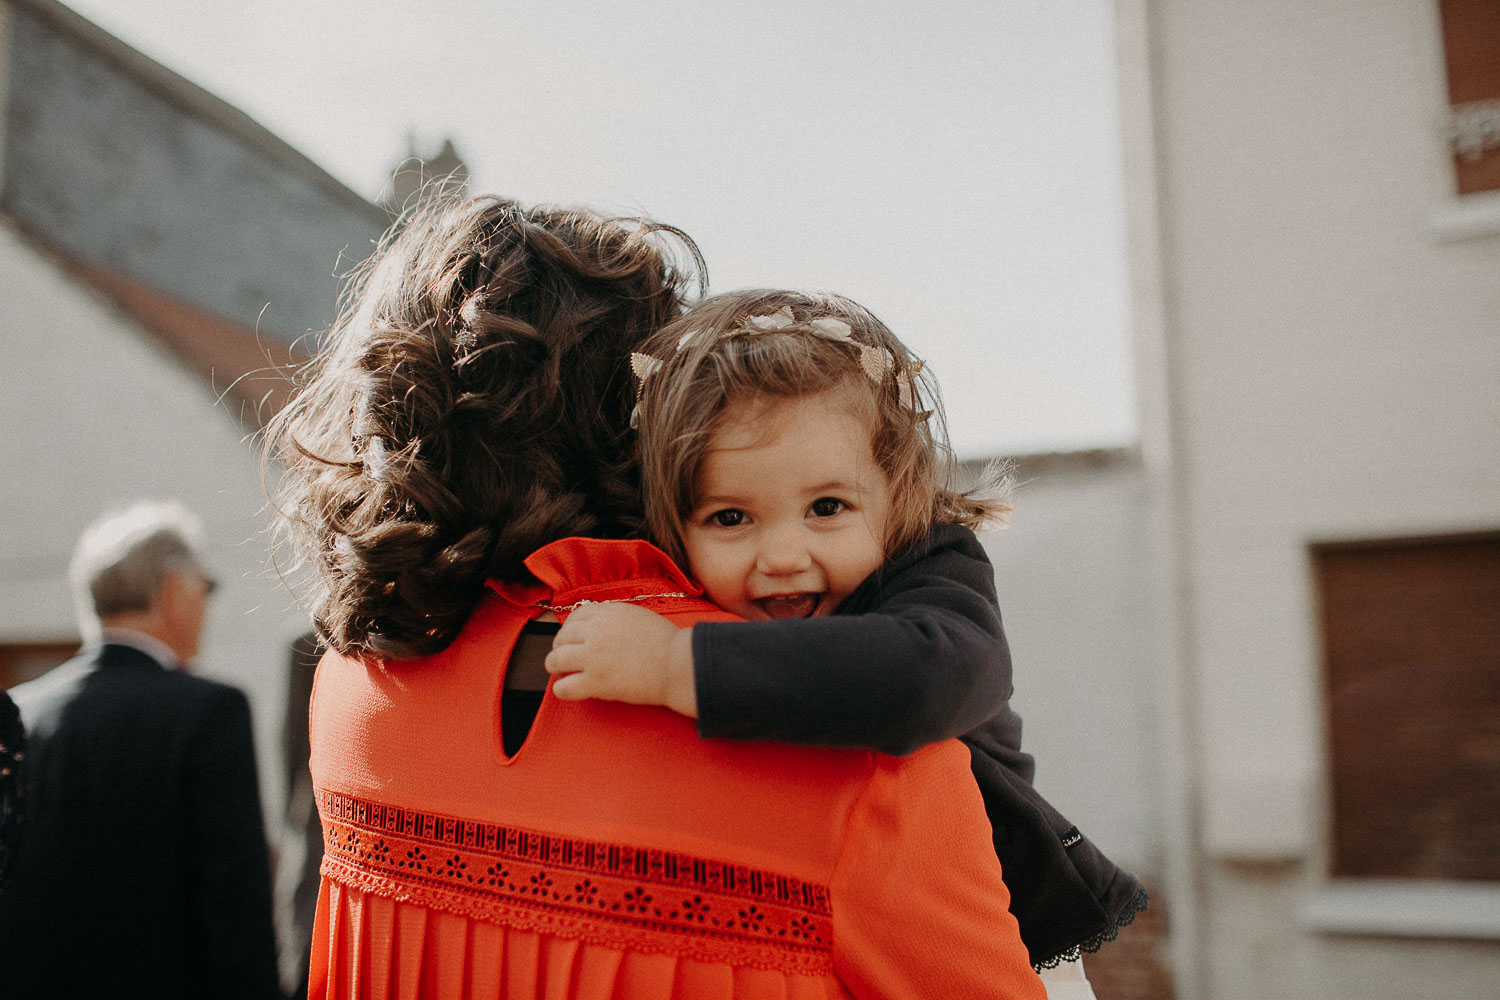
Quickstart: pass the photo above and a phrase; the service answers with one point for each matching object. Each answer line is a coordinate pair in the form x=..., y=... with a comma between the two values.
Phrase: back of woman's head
x=469, y=406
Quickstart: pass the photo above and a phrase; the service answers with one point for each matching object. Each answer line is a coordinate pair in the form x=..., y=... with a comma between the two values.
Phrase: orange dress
x=619, y=855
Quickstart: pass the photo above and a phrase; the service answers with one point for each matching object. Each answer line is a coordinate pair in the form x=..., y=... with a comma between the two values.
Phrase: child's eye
x=827, y=507
x=730, y=518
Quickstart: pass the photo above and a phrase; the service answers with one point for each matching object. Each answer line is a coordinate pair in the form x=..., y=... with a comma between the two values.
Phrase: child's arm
x=917, y=654
x=622, y=652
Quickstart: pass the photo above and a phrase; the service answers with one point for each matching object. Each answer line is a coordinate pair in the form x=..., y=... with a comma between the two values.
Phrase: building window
x=1471, y=48
x=1411, y=641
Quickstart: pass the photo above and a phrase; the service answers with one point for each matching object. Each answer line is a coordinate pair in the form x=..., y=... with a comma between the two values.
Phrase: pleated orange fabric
x=616, y=855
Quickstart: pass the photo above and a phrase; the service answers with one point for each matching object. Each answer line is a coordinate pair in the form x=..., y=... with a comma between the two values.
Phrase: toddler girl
x=793, y=459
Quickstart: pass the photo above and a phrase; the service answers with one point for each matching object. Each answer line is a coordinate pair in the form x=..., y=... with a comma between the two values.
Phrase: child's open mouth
x=789, y=605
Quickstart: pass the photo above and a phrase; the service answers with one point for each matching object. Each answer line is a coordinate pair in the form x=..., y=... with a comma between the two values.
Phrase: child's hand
x=621, y=652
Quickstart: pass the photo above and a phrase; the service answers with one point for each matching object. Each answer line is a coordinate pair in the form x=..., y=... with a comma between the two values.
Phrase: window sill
x=1466, y=217
x=1418, y=909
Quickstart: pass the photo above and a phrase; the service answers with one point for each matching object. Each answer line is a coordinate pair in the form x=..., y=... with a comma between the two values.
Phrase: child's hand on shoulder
x=621, y=652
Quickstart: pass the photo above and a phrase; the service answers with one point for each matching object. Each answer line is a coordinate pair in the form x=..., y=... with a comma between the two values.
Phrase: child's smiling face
x=791, y=508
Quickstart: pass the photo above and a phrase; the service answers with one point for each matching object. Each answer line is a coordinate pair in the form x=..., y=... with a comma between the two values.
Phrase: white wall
x=94, y=414
x=1331, y=370
x=1335, y=368
x=1069, y=572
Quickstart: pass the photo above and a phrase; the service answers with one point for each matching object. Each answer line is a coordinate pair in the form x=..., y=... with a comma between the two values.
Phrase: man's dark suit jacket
x=143, y=868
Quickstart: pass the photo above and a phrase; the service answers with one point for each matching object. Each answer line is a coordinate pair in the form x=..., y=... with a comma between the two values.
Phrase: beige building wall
x=1319, y=321
x=93, y=414
x=1069, y=572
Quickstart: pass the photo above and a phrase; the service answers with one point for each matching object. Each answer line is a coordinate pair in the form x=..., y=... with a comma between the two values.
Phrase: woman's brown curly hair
x=469, y=406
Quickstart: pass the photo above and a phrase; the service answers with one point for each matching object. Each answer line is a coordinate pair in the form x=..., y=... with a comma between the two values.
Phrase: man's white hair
x=123, y=557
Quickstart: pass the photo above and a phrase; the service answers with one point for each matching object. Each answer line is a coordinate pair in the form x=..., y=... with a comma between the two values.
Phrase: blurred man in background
x=143, y=868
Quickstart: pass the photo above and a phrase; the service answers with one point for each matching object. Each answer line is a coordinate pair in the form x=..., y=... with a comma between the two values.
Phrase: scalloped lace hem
x=1092, y=944
x=523, y=918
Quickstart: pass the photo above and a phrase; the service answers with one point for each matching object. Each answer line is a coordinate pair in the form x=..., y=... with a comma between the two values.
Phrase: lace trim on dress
x=617, y=895
x=1133, y=909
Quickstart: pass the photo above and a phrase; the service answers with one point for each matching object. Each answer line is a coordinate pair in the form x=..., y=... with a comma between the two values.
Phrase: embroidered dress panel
x=612, y=894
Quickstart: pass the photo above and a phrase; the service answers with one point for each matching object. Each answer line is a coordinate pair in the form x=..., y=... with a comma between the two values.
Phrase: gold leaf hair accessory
x=644, y=366
x=906, y=376
x=878, y=366
x=875, y=362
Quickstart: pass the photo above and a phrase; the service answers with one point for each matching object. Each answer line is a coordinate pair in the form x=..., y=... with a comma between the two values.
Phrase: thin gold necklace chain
x=555, y=608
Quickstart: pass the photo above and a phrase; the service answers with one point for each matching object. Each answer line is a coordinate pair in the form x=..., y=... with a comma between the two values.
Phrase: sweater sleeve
x=919, y=906
x=915, y=655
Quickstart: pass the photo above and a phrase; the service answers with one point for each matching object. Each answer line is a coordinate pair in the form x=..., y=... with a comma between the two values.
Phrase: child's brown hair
x=469, y=406
x=765, y=344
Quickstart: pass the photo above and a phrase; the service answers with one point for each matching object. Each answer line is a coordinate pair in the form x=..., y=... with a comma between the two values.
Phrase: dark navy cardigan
x=916, y=655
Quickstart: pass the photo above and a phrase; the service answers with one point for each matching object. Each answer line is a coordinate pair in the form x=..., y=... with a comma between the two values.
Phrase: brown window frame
x=1471, y=55
x=1410, y=633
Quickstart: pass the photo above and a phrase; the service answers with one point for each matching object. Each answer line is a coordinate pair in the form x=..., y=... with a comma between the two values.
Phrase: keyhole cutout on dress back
x=525, y=683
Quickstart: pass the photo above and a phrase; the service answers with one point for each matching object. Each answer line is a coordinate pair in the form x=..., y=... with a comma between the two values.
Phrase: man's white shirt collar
x=148, y=644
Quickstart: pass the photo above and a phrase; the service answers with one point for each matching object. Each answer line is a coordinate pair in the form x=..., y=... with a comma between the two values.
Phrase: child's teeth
x=796, y=606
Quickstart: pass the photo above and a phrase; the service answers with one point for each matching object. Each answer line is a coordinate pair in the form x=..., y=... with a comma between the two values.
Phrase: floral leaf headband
x=875, y=362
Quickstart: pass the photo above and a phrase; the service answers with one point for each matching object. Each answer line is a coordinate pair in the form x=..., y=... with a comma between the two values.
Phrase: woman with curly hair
x=458, y=474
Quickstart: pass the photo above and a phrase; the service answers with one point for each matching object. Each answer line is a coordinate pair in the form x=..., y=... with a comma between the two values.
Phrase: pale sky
x=953, y=166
